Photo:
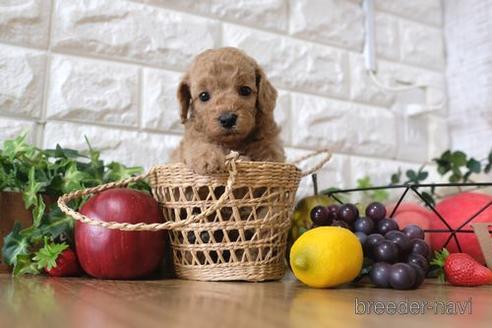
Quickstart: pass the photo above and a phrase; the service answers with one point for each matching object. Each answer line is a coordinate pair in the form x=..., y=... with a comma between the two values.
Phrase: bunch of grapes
x=400, y=257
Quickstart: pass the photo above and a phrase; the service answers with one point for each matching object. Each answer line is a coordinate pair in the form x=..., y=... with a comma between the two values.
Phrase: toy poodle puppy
x=226, y=104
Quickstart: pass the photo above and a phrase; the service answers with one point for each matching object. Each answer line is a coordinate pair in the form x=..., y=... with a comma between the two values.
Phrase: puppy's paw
x=208, y=163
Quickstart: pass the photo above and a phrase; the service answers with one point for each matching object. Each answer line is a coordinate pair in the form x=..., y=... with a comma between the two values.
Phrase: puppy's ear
x=267, y=94
x=184, y=97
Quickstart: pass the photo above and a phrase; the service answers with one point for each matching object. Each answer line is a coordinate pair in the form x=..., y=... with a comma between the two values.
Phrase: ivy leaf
x=455, y=178
x=487, y=168
x=38, y=212
x=14, y=147
x=55, y=223
x=428, y=197
x=65, y=153
x=473, y=165
x=364, y=182
x=411, y=175
x=443, y=167
x=380, y=196
x=25, y=265
x=422, y=175
x=73, y=179
x=117, y=171
x=458, y=158
x=395, y=178
x=16, y=243
x=32, y=189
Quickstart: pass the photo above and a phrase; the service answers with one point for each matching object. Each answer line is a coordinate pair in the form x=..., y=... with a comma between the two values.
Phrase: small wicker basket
x=227, y=226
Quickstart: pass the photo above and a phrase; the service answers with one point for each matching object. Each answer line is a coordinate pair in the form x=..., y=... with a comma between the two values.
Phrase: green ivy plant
x=456, y=164
x=38, y=173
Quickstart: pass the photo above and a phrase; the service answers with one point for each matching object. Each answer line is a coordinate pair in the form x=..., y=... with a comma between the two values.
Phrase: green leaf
x=443, y=167
x=25, y=265
x=467, y=176
x=364, y=182
x=16, y=243
x=117, y=171
x=411, y=175
x=487, y=168
x=428, y=197
x=73, y=179
x=458, y=158
x=38, y=212
x=32, y=189
x=455, y=178
x=395, y=177
x=380, y=196
x=439, y=261
x=55, y=224
x=17, y=146
x=446, y=155
x=46, y=256
x=473, y=165
x=422, y=175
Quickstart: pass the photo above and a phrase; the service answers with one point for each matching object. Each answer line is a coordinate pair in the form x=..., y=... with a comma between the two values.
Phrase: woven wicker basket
x=227, y=226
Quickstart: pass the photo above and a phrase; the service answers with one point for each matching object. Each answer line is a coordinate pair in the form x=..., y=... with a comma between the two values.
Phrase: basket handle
x=319, y=165
x=168, y=225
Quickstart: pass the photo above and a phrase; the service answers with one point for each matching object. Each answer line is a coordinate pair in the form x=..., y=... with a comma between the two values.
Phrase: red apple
x=412, y=213
x=114, y=254
x=456, y=210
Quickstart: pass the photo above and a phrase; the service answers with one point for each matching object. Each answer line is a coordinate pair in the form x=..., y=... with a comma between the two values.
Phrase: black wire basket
x=414, y=188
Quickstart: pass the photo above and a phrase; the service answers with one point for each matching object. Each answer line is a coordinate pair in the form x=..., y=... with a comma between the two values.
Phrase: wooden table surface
x=78, y=302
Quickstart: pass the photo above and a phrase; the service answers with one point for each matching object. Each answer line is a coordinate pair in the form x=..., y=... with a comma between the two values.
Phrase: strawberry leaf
x=46, y=256
x=439, y=261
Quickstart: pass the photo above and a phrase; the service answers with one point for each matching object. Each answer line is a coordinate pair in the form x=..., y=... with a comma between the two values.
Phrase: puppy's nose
x=227, y=120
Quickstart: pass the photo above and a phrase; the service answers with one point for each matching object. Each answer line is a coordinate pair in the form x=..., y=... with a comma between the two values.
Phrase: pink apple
x=456, y=210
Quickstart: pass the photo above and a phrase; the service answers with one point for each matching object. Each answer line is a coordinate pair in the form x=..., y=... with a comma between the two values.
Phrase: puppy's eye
x=204, y=96
x=244, y=91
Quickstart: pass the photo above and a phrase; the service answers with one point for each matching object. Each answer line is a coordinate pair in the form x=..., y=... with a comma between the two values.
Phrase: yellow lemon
x=326, y=257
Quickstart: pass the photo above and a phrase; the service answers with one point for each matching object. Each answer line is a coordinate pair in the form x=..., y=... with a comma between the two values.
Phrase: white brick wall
x=469, y=47
x=108, y=69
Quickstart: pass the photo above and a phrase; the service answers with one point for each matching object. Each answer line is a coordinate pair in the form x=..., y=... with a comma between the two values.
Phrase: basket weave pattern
x=242, y=239
x=226, y=226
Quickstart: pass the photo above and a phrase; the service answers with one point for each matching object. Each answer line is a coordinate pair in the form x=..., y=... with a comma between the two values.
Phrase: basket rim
x=239, y=164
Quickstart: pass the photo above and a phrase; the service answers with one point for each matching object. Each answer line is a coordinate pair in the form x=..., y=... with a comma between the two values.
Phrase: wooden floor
x=54, y=302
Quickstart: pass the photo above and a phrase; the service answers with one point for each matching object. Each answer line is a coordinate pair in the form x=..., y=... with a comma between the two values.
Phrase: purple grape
x=365, y=225
x=340, y=223
x=413, y=231
x=402, y=276
x=400, y=240
x=419, y=260
x=333, y=210
x=419, y=275
x=361, y=236
x=380, y=274
x=320, y=216
x=376, y=211
x=371, y=241
x=386, y=225
x=385, y=251
x=419, y=246
x=348, y=213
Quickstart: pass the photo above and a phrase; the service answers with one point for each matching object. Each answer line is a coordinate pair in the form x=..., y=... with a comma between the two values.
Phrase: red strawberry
x=67, y=265
x=461, y=269
x=58, y=260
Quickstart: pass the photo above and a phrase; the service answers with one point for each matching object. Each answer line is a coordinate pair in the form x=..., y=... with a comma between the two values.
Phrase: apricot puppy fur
x=226, y=103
